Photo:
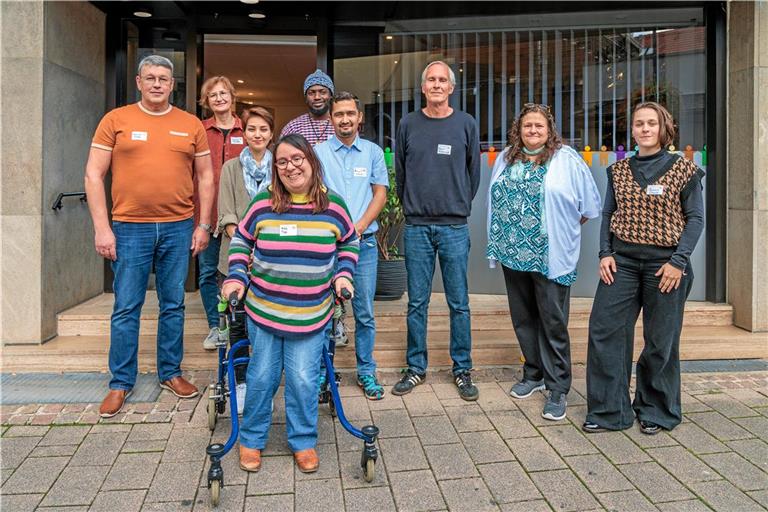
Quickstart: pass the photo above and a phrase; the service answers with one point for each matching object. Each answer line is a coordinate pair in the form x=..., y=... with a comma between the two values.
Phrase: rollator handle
x=345, y=294
x=232, y=299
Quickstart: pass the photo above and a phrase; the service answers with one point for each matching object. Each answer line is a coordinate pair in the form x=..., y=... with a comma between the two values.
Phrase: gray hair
x=155, y=60
x=451, y=74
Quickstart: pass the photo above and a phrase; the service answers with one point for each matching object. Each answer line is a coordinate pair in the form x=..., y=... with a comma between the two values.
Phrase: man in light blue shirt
x=354, y=168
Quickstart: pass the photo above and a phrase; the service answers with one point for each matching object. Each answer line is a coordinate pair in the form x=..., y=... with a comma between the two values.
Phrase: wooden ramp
x=83, y=341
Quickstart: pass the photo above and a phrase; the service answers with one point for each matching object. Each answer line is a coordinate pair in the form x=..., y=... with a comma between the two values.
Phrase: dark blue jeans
x=450, y=244
x=140, y=246
x=208, y=261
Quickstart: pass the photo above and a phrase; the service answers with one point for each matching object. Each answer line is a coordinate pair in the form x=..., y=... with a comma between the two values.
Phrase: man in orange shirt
x=154, y=150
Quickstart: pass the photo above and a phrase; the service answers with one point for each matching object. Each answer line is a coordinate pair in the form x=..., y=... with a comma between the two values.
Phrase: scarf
x=256, y=176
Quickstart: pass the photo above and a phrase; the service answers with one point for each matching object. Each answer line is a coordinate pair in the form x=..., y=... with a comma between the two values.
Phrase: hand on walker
x=230, y=287
x=106, y=245
x=607, y=269
x=670, y=278
x=343, y=283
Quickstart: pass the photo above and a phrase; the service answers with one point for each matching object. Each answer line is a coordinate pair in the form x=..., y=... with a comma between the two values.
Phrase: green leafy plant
x=391, y=219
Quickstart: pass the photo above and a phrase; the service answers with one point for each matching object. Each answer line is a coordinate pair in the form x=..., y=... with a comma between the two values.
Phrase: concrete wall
x=748, y=164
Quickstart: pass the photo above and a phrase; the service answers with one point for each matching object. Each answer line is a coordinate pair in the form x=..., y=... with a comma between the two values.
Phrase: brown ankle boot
x=307, y=460
x=250, y=459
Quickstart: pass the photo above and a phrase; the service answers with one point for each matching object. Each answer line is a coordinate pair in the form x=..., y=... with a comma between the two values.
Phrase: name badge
x=655, y=190
x=289, y=230
x=443, y=149
x=235, y=140
x=138, y=135
x=360, y=172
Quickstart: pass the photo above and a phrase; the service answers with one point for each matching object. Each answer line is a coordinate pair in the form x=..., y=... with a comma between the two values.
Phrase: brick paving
x=437, y=453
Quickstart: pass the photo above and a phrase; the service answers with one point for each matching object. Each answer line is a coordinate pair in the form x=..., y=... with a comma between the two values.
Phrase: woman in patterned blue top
x=541, y=193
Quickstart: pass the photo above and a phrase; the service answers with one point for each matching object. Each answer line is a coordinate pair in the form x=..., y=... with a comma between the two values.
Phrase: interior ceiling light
x=171, y=36
x=143, y=11
x=256, y=14
x=250, y=2
x=240, y=81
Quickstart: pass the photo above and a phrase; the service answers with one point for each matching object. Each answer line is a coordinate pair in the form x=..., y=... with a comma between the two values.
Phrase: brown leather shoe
x=250, y=459
x=180, y=387
x=307, y=460
x=113, y=402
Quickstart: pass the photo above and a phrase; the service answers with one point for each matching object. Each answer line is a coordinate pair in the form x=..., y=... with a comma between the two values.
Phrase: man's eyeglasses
x=296, y=160
x=150, y=80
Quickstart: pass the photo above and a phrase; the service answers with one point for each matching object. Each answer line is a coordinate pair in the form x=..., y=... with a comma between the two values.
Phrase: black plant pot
x=390, y=279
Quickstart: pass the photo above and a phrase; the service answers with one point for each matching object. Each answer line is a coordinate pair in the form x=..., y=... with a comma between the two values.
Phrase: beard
x=317, y=112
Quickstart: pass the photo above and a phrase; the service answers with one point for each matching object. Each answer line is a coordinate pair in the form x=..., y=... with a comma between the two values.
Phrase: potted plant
x=390, y=276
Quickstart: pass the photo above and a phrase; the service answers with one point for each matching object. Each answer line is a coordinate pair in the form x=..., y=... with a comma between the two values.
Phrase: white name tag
x=443, y=149
x=235, y=140
x=360, y=172
x=655, y=190
x=138, y=135
x=179, y=134
x=289, y=230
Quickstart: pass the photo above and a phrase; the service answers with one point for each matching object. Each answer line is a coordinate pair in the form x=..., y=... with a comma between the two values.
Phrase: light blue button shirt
x=351, y=171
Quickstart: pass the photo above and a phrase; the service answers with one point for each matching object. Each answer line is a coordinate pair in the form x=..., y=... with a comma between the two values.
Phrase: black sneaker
x=467, y=390
x=409, y=380
x=592, y=428
x=649, y=428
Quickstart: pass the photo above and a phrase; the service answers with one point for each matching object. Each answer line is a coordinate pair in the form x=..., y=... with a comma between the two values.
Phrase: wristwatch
x=206, y=227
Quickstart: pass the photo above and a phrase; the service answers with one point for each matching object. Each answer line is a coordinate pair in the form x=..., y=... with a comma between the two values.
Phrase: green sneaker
x=371, y=387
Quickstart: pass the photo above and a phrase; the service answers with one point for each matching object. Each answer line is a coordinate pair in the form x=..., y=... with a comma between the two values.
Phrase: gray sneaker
x=554, y=409
x=526, y=388
x=209, y=343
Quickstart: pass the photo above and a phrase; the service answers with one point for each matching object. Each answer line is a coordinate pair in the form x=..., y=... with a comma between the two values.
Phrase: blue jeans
x=362, y=306
x=208, y=261
x=451, y=245
x=140, y=246
x=270, y=355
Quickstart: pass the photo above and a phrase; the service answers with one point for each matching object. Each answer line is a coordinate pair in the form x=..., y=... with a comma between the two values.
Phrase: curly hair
x=281, y=197
x=515, y=142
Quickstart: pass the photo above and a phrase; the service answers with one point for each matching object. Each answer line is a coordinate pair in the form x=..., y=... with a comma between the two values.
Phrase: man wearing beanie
x=315, y=125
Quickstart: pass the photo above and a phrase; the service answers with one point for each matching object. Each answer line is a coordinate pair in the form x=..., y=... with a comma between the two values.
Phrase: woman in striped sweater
x=296, y=240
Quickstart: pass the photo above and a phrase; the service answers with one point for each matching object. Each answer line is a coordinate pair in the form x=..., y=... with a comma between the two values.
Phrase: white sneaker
x=240, y=394
x=209, y=343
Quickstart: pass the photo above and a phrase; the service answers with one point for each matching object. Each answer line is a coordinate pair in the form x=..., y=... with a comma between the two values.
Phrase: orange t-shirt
x=152, y=162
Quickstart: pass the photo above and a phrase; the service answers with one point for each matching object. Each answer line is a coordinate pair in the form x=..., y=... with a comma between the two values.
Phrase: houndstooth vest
x=642, y=218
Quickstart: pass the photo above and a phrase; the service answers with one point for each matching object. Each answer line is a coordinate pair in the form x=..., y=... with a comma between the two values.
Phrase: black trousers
x=539, y=310
x=611, y=344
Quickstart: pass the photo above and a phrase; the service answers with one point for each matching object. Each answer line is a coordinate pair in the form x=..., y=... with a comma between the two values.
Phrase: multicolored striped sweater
x=294, y=257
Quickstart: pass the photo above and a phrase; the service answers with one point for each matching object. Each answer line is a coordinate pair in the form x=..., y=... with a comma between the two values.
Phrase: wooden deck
x=83, y=341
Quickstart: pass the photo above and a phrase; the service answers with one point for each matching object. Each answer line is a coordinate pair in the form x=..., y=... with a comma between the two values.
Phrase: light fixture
x=171, y=36
x=250, y=94
x=388, y=38
x=240, y=81
x=250, y=2
x=256, y=14
x=143, y=11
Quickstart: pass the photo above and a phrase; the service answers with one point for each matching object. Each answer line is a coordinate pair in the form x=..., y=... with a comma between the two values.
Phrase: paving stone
x=352, y=471
x=25, y=431
x=76, y=486
x=535, y=454
x=275, y=477
x=681, y=463
x=150, y=432
x=168, y=506
x=760, y=496
x=319, y=496
x=124, y=501
x=175, y=481
x=325, y=430
x=757, y=425
x=719, y=426
x=395, y=423
x=727, y=406
x=64, y=435
x=103, y=428
x=630, y=501
x=446, y=391
x=435, y=430
x=564, y=491
x=55, y=450
x=63, y=509
x=486, y=447
x=186, y=444
x=367, y=499
x=574, y=398
x=598, y=473
x=737, y=470
x=269, y=503
x=329, y=465
x=512, y=424
x=232, y=498
x=754, y=450
x=655, y=482
x=4, y=475
x=356, y=409
x=508, y=482
x=34, y=475
x=450, y=461
x=20, y=502
x=416, y=490
x=690, y=403
x=403, y=454
x=577, y=415
x=723, y=496
x=277, y=442
x=132, y=471
x=156, y=445
x=99, y=449
x=389, y=402
x=645, y=441
x=696, y=439
x=469, y=418
x=423, y=404
x=16, y=449
x=345, y=441
x=618, y=447
x=526, y=506
x=493, y=397
x=467, y=494
x=748, y=397
x=567, y=440
x=684, y=506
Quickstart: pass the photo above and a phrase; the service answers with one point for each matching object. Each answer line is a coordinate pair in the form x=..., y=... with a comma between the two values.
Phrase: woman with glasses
x=652, y=218
x=225, y=138
x=541, y=193
x=295, y=241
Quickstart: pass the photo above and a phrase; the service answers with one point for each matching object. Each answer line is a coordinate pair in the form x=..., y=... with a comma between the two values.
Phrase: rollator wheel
x=212, y=409
x=332, y=406
x=215, y=492
x=370, y=470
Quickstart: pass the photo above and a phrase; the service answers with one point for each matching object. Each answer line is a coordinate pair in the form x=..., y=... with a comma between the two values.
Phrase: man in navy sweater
x=437, y=164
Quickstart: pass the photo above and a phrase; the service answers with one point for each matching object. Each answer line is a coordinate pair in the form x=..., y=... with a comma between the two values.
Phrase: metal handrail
x=57, y=204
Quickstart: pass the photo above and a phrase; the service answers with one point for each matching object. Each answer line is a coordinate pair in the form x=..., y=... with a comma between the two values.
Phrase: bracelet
x=206, y=227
